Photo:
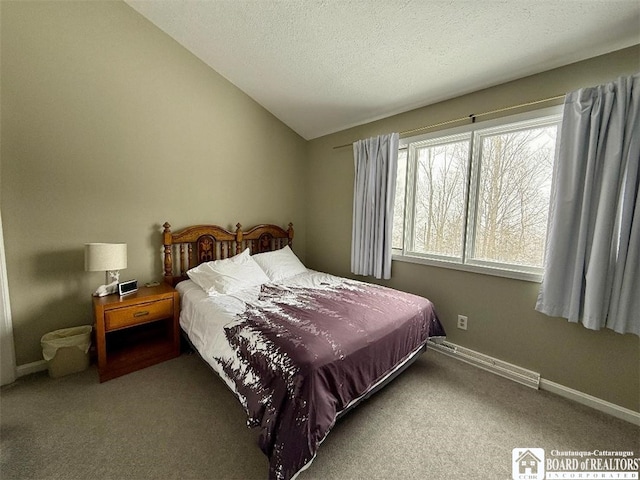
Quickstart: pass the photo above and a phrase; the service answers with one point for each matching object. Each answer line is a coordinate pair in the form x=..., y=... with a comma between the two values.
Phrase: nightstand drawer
x=142, y=313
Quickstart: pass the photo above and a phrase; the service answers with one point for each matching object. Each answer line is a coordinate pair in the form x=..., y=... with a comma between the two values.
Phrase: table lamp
x=107, y=257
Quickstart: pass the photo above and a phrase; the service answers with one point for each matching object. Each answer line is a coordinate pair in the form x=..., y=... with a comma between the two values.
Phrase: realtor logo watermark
x=535, y=464
x=528, y=463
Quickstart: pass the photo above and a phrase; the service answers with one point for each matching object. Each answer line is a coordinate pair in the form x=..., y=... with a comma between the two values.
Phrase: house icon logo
x=528, y=463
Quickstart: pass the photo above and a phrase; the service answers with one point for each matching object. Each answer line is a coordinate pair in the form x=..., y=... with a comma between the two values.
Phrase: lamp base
x=104, y=290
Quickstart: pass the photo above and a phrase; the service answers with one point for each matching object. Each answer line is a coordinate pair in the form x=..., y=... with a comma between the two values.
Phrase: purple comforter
x=303, y=354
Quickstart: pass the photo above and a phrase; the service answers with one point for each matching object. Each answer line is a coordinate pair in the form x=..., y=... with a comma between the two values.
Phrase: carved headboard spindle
x=167, y=240
x=290, y=235
x=239, y=236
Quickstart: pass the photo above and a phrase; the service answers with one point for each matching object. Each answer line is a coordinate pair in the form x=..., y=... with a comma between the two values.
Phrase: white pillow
x=229, y=275
x=280, y=264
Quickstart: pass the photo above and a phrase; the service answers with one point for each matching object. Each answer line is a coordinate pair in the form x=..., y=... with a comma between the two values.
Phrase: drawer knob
x=141, y=314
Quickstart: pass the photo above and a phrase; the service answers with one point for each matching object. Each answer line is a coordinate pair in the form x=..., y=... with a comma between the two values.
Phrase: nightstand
x=136, y=330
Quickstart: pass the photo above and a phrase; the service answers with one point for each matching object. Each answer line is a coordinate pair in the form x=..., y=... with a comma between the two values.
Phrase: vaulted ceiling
x=321, y=66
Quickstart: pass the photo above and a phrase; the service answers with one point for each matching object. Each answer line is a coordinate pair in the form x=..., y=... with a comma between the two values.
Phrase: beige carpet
x=441, y=419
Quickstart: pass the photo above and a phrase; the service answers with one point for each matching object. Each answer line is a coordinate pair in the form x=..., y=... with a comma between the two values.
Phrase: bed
x=298, y=348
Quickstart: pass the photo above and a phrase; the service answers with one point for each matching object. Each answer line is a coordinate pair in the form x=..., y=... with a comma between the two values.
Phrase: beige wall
x=502, y=320
x=109, y=129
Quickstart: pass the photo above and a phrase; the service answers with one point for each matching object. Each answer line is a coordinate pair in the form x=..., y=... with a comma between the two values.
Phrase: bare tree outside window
x=398, y=207
x=440, y=198
x=478, y=196
x=513, y=197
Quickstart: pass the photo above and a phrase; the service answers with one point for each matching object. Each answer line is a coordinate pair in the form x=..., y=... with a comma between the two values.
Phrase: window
x=398, y=211
x=477, y=197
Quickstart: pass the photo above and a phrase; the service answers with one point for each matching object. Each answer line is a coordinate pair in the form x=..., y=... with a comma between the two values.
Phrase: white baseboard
x=526, y=377
x=591, y=401
x=493, y=365
x=29, y=368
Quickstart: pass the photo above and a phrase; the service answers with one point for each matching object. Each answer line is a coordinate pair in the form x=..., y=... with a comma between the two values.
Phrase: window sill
x=483, y=270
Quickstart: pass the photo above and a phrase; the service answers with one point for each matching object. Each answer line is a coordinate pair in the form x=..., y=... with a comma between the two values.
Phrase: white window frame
x=474, y=131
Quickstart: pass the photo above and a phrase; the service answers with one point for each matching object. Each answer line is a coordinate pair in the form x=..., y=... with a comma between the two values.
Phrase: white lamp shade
x=105, y=256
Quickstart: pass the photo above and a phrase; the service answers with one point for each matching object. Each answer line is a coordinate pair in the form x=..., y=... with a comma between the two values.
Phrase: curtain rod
x=473, y=117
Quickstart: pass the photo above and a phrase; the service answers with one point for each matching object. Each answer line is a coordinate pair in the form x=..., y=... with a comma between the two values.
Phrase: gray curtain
x=592, y=261
x=376, y=161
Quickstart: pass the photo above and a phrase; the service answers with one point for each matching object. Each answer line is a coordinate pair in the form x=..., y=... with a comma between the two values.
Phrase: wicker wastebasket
x=67, y=350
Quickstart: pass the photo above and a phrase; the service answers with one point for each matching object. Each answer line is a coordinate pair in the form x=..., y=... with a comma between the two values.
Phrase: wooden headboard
x=203, y=243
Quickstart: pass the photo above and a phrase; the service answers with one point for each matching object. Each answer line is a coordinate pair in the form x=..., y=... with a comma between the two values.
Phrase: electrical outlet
x=462, y=322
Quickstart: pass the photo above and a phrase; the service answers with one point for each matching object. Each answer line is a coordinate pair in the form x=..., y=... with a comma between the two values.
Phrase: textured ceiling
x=321, y=66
